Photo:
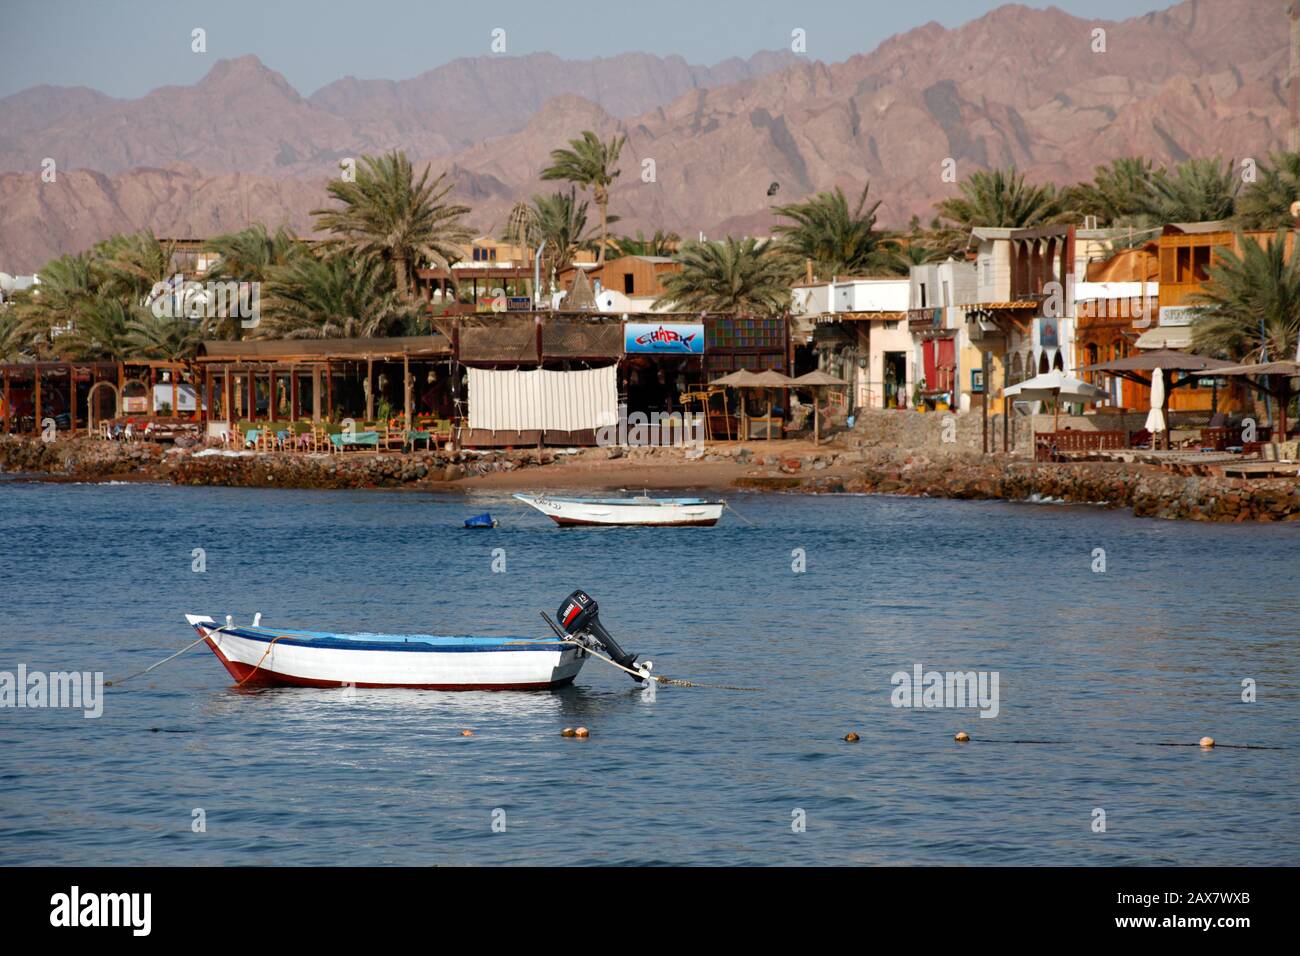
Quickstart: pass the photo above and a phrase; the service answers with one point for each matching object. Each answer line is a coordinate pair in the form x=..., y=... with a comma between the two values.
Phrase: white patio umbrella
x=1054, y=386
x=1156, y=417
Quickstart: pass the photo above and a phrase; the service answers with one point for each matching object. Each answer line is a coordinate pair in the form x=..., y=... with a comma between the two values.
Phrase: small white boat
x=642, y=510
x=269, y=656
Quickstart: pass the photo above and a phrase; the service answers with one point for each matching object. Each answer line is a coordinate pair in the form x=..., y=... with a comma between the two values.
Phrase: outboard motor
x=580, y=618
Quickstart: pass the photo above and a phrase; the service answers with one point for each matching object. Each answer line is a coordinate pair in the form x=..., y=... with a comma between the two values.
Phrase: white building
x=858, y=326
x=949, y=366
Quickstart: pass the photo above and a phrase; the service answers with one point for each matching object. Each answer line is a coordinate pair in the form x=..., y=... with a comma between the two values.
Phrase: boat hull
x=269, y=657
x=665, y=514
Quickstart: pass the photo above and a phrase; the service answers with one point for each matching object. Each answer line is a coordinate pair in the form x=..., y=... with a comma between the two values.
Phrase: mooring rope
x=727, y=504
x=249, y=675
x=113, y=683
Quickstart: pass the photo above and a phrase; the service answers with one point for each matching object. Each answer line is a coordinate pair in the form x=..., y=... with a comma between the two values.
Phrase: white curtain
x=557, y=401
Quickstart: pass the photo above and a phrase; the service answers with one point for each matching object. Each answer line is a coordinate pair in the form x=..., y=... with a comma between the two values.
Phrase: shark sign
x=682, y=338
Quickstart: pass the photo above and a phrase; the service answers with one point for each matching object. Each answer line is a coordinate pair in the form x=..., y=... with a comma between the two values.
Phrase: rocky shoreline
x=852, y=463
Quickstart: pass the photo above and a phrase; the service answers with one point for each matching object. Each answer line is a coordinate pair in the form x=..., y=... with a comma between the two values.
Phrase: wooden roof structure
x=319, y=350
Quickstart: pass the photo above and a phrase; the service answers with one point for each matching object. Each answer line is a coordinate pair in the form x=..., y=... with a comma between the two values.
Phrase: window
x=629, y=283
x=923, y=303
x=1201, y=264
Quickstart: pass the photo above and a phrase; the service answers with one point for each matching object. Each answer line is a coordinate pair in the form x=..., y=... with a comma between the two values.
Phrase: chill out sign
x=678, y=338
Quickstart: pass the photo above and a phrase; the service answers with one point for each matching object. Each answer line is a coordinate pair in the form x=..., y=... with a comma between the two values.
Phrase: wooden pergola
x=232, y=371
x=117, y=375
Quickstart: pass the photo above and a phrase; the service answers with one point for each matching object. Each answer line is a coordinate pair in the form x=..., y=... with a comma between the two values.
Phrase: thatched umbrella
x=738, y=379
x=746, y=379
x=818, y=380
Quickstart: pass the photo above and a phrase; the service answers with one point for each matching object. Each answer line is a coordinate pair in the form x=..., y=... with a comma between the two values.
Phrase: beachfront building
x=59, y=396
x=858, y=331
x=325, y=380
x=10, y=285
x=627, y=284
x=948, y=363
x=1116, y=311
x=1017, y=316
x=1187, y=251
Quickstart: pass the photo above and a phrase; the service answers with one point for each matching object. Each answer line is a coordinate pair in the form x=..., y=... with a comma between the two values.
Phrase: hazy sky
x=128, y=47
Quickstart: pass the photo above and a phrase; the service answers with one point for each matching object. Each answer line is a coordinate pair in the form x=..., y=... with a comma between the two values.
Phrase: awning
x=862, y=317
x=1019, y=304
x=509, y=400
x=1166, y=337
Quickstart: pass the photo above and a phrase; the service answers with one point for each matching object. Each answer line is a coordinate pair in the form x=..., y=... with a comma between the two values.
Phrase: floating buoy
x=582, y=732
x=851, y=737
x=567, y=732
x=467, y=733
x=1207, y=742
x=962, y=737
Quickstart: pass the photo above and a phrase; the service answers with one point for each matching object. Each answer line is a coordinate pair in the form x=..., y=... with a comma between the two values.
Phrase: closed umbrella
x=1156, y=417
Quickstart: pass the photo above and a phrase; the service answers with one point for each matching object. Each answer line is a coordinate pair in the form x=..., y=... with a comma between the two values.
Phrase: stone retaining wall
x=856, y=463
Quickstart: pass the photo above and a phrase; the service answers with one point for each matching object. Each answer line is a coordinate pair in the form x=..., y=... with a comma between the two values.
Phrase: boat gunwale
x=400, y=643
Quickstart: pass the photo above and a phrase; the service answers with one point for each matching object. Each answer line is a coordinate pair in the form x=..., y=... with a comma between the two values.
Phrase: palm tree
x=1199, y=190
x=590, y=164
x=1266, y=203
x=748, y=276
x=660, y=244
x=388, y=214
x=66, y=285
x=1119, y=192
x=128, y=266
x=99, y=330
x=15, y=345
x=331, y=297
x=556, y=225
x=150, y=337
x=897, y=254
x=839, y=241
x=1002, y=198
x=249, y=254
x=1250, y=308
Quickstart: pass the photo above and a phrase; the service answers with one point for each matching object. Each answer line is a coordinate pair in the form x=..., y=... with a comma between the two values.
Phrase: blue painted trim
x=418, y=643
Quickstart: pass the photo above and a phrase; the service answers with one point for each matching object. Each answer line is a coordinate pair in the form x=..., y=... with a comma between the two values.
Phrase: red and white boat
x=259, y=655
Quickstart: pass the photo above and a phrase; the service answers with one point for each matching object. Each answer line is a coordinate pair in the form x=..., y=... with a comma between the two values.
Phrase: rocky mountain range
x=1040, y=89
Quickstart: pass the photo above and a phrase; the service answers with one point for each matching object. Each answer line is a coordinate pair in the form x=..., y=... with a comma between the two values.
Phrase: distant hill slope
x=1019, y=85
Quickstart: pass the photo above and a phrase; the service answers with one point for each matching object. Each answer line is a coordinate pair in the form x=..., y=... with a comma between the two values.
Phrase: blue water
x=1102, y=666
